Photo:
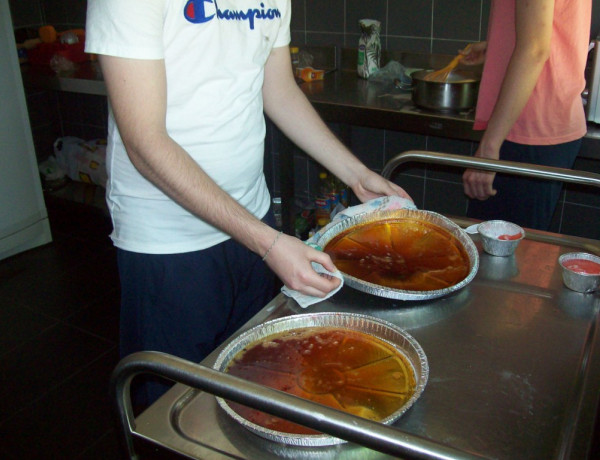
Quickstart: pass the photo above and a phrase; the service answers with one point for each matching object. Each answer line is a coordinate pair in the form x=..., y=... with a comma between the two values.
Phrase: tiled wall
x=437, y=26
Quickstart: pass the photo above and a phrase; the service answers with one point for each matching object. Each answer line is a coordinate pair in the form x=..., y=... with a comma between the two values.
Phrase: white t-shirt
x=214, y=53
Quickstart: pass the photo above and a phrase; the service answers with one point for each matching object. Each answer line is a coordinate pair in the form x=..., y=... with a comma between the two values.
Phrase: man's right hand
x=291, y=260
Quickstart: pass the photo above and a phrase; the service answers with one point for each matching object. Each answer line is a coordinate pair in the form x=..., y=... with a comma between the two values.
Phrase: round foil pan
x=403, y=342
x=426, y=216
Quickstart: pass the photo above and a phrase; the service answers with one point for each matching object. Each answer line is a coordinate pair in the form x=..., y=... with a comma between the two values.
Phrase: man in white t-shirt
x=188, y=81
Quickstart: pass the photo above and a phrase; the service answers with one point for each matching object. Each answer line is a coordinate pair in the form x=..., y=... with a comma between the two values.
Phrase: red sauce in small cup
x=584, y=266
x=516, y=236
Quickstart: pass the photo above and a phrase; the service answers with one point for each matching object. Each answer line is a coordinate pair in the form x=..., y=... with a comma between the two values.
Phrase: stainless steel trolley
x=514, y=367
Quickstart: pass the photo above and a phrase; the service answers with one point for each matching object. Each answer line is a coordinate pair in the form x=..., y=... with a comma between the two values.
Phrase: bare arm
x=532, y=49
x=288, y=107
x=142, y=125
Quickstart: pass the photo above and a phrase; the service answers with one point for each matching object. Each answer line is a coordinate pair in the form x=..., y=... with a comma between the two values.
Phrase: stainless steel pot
x=458, y=93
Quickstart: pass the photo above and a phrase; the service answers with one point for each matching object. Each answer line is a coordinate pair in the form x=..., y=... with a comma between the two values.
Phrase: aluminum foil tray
x=426, y=216
x=383, y=330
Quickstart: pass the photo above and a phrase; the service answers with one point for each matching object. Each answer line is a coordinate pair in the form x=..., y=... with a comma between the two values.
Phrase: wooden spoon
x=441, y=76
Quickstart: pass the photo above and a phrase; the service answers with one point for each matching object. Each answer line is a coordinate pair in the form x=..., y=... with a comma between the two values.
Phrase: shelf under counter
x=85, y=79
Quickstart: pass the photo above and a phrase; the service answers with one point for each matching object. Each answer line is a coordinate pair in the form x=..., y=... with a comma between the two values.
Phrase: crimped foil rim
x=388, y=332
x=578, y=255
x=427, y=216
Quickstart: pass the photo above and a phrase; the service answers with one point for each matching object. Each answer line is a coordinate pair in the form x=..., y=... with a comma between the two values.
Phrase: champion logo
x=195, y=11
x=201, y=11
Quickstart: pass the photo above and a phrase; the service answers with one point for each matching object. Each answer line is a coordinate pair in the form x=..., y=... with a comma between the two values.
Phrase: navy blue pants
x=187, y=304
x=527, y=202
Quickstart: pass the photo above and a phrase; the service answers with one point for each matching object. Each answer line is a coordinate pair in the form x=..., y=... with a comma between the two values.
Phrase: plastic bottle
x=322, y=222
x=277, y=211
x=343, y=192
x=295, y=55
x=323, y=200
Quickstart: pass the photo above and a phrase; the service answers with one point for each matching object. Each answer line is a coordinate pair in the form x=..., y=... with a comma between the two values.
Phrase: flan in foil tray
x=409, y=215
x=318, y=357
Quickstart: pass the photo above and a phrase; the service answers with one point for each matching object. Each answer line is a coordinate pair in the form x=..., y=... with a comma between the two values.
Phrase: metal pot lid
x=425, y=216
x=456, y=76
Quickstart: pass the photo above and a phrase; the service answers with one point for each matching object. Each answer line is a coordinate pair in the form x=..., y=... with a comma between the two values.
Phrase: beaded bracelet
x=272, y=244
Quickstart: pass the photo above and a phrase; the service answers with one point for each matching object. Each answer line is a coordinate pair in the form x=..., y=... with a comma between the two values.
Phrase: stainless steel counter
x=514, y=369
x=342, y=97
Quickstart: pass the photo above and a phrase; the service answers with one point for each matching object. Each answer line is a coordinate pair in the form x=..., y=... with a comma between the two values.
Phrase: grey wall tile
x=445, y=198
x=580, y=194
x=325, y=16
x=414, y=186
x=595, y=18
x=409, y=18
x=298, y=15
x=450, y=47
x=454, y=146
x=326, y=39
x=369, y=145
x=457, y=19
x=485, y=14
x=415, y=45
x=581, y=221
x=298, y=38
x=398, y=142
x=359, y=9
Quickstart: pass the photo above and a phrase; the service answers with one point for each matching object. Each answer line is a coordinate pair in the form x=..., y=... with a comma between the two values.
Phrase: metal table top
x=514, y=369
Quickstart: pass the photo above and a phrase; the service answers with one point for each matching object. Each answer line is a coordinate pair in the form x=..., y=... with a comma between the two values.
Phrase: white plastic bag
x=83, y=161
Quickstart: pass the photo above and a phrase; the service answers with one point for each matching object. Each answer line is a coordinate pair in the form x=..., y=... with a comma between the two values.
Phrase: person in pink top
x=529, y=104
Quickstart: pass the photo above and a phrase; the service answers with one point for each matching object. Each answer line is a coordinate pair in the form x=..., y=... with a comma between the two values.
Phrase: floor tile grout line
x=57, y=385
x=57, y=321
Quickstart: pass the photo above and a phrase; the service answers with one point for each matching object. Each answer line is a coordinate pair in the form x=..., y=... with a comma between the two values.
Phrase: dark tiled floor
x=58, y=341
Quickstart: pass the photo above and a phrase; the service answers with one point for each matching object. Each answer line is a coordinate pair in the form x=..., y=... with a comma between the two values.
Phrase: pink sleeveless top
x=554, y=113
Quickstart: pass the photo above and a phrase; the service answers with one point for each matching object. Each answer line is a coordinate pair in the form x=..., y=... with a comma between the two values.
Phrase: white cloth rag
x=386, y=203
x=307, y=300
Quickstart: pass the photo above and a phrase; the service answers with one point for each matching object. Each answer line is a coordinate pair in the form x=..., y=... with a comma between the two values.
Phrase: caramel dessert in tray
x=345, y=369
x=407, y=254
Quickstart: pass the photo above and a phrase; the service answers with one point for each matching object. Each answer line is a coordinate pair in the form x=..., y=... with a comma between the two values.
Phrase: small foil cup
x=580, y=282
x=491, y=232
